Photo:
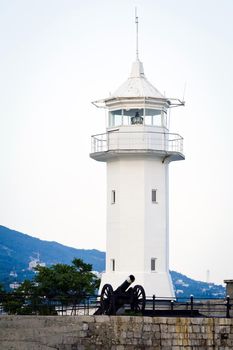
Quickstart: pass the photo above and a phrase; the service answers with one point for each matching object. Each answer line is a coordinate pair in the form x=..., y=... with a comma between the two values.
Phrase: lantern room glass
x=137, y=116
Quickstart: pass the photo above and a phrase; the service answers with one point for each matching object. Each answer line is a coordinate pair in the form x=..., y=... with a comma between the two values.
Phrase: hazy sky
x=56, y=56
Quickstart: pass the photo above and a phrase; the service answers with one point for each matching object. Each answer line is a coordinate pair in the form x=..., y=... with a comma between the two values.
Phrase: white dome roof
x=137, y=85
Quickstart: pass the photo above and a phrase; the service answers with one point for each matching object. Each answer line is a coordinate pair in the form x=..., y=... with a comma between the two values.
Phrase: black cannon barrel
x=125, y=285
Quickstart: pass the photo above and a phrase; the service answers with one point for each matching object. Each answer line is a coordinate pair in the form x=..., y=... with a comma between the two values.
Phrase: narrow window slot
x=113, y=197
x=154, y=196
x=112, y=262
x=153, y=264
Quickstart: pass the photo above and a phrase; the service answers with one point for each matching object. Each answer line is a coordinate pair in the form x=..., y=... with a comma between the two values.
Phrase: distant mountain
x=185, y=286
x=17, y=250
x=18, y=253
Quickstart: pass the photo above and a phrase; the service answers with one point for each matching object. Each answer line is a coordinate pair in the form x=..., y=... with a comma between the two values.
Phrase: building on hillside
x=34, y=262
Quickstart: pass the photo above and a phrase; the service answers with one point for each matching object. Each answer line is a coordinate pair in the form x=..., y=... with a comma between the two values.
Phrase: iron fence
x=26, y=304
x=192, y=307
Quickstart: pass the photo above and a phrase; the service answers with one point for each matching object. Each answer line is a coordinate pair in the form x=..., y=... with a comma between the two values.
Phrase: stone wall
x=114, y=333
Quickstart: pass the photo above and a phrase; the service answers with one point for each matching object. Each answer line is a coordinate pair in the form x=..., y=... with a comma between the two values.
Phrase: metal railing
x=136, y=140
x=191, y=307
x=26, y=304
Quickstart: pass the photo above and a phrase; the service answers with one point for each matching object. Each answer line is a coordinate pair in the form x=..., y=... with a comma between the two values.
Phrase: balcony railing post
x=94, y=143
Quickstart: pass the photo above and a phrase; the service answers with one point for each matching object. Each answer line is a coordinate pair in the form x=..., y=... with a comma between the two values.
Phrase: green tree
x=27, y=287
x=65, y=284
x=66, y=280
x=1, y=289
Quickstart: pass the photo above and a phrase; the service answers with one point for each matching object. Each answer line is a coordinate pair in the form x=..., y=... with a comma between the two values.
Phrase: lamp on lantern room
x=137, y=119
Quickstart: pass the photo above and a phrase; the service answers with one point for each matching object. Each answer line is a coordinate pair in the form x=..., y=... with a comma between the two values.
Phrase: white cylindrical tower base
x=137, y=223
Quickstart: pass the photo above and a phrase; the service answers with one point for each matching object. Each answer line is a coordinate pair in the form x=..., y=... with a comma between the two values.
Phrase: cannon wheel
x=139, y=299
x=107, y=300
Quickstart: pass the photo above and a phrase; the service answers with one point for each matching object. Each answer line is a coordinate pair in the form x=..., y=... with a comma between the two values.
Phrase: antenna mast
x=136, y=22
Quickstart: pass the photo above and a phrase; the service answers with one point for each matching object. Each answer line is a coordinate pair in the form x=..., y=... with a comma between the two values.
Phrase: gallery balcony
x=153, y=143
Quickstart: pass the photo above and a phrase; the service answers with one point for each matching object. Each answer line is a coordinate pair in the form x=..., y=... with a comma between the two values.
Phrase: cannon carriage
x=112, y=300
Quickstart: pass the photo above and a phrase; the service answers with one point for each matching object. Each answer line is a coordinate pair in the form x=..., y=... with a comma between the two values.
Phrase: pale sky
x=56, y=56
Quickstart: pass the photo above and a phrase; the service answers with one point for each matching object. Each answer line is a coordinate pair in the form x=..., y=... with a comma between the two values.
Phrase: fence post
x=75, y=307
x=88, y=305
x=153, y=303
x=191, y=304
x=228, y=307
x=84, y=306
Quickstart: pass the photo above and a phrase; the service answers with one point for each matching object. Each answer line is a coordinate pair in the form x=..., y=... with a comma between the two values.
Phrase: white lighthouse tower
x=137, y=148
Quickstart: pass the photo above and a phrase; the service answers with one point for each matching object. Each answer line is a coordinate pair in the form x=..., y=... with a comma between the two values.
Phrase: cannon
x=112, y=300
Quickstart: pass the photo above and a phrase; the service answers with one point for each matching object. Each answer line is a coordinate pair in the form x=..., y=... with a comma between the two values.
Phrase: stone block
x=85, y=318
x=166, y=342
x=146, y=335
x=171, y=321
x=202, y=329
x=166, y=335
x=119, y=347
x=195, y=329
x=85, y=326
x=123, y=319
x=224, y=321
x=224, y=329
x=229, y=343
x=147, y=319
x=156, y=343
x=171, y=328
x=148, y=342
x=137, y=335
x=175, y=335
x=189, y=329
x=129, y=334
x=178, y=328
x=128, y=341
x=147, y=327
x=210, y=342
x=163, y=328
x=155, y=328
x=177, y=342
x=102, y=319
x=186, y=342
x=139, y=319
x=159, y=320
x=157, y=336
x=123, y=334
x=166, y=347
x=185, y=321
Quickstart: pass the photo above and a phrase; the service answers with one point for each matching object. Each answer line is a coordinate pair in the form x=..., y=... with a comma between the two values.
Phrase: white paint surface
x=137, y=228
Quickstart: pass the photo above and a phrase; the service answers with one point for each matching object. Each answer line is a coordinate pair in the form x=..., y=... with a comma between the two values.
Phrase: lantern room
x=138, y=116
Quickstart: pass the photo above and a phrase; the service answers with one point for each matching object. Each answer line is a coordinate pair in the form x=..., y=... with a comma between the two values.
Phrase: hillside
x=17, y=250
x=185, y=286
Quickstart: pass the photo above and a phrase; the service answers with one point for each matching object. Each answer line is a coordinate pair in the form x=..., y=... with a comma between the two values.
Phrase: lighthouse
x=137, y=148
